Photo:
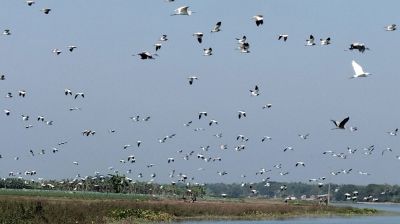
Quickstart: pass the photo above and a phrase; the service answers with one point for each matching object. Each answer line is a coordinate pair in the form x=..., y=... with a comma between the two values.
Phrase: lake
x=391, y=219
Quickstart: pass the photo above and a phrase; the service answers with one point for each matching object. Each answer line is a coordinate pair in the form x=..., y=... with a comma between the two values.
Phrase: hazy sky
x=307, y=86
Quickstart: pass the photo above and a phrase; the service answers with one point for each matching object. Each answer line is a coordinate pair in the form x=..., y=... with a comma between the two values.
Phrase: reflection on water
x=392, y=219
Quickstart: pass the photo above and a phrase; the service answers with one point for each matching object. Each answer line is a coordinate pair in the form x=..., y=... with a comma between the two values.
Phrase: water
x=390, y=219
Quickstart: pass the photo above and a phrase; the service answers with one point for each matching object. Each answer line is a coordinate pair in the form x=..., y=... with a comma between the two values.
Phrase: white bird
x=7, y=32
x=300, y=164
x=304, y=136
x=46, y=10
x=284, y=36
x=22, y=93
x=158, y=46
x=241, y=40
x=57, y=51
x=138, y=143
x=259, y=19
x=288, y=148
x=265, y=138
x=241, y=114
x=202, y=114
x=207, y=51
x=171, y=160
x=217, y=27
x=393, y=133
x=213, y=122
x=391, y=27
x=199, y=36
x=75, y=163
x=326, y=41
x=30, y=2
x=191, y=79
x=387, y=149
x=358, y=70
x=67, y=91
x=163, y=37
x=310, y=41
x=255, y=91
x=183, y=10
x=25, y=117
x=71, y=48
x=79, y=94
x=7, y=112
x=267, y=106
x=244, y=47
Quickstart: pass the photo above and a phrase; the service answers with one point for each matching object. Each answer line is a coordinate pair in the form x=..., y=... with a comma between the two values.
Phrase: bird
x=188, y=123
x=57, y=51
x=202, y=114
x=146, y=55
x=326, y=41
x=163, y=37
x=341, y=124
x=213, y=122
x=300, y=164
x=2, y=77
x=310, y=41
x=207, y=51
x=288, y=148
x=217, y=27
x=25, y=117
x=46, y=10
x=71, y=48
x=30, y=2
x=22, y=93
x=358, y=46
x=391, y=27
x=67, y=92
x=393, y=133
x=79, y=94
x=241, y=114
x=259, y=19
x=386, y=150
x=284, y=36
x=304, y=136
x=7, y=112
x=191, y=79
x=7, y=32
x=75, y=163
x=358, y=70
x=267, y=106
x=244, y=47
x=171, y=160
x=183, y=10
x=88, y=132
x=241, y=40
x=266, y=138
x=255, y=91
x=158, y=46
x=199, y=36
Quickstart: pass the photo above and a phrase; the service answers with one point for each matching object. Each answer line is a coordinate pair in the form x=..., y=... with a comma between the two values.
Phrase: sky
x=307, y=87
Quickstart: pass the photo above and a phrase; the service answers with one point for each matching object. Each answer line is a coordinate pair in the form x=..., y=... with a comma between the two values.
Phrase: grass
x=88, y=208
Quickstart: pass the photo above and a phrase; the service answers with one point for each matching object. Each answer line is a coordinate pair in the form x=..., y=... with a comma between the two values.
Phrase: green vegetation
x=39, y=209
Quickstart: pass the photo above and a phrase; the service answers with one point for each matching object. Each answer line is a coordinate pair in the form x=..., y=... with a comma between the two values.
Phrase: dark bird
x=340, y=125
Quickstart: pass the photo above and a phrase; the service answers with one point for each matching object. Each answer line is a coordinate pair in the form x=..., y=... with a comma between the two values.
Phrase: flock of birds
x=203, y=153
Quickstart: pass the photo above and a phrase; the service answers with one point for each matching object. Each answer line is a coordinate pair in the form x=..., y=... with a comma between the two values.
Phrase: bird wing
x=342, y=123
x=357, y=68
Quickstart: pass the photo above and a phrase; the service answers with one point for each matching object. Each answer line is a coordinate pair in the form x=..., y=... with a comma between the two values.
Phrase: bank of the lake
x=39, y=209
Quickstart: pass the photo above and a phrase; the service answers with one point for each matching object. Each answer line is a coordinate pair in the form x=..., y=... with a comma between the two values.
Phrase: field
x=64, y=207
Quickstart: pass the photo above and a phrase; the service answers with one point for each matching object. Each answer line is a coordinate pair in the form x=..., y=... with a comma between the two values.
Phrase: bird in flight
x=341, y=124
x=259, y=19
x=199, y=36
x=183, y=10
x=217, y=27
x=391, y=27
x=358, y=70
x=284, y=36
x=310, y=41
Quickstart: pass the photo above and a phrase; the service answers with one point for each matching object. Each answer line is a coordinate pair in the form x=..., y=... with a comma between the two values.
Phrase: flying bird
x=259, y=19
x=207, y=51
x=326, y=41
x=241, y=114
x=30, y=2
x=358, y=70
x=255, y=91
x=191, y=79
x=7, y=32
x=284, y=36
x=146, y=55
x=217, y=27
x=310, y=41
x=45, y=10
x=358, y=46
x=341, y=124
x=199, y=36
x=71, y=48
x=391, y=27
x=158, y=46
x=202, y=114
x=163, y=37
x=393, y=133
x=183, y=10
x=79, y=94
